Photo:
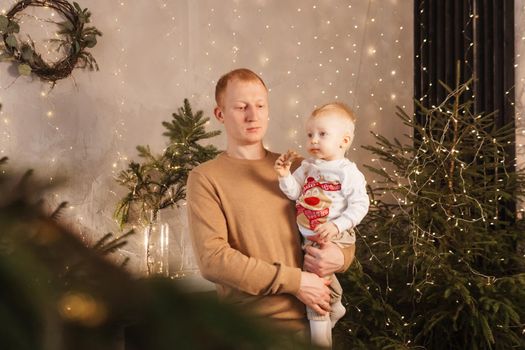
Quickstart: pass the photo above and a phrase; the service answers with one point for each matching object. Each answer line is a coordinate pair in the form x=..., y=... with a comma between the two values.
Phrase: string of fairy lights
x=40, y=23
x=330, y=56
x=357, y=48
x=351, y=51
x=520, y=91
x=49, y=53
x=408, y=187
x=359, y=57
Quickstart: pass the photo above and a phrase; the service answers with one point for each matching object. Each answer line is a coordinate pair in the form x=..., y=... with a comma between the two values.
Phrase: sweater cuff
x=342, y=224
x=348, y=254
x=286, y=181
x=292, y=276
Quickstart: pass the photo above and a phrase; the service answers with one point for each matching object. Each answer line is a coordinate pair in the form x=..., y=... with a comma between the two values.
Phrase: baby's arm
x=354, y=188
x=284, y=162
x=326, y=231
x=290, y=184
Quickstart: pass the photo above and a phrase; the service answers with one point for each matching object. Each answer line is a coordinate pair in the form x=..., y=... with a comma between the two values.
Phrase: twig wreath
x=73, y=36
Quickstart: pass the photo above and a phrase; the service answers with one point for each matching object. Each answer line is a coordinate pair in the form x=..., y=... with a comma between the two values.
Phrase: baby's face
x=327, y=137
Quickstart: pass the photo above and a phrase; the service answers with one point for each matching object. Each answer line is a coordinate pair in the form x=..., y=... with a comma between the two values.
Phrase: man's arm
x=218, y=261
x=328, y=258
x=314, y=292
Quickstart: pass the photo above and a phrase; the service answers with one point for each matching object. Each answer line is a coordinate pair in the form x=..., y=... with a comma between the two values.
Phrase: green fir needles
x=159, y=181
x=441, y=264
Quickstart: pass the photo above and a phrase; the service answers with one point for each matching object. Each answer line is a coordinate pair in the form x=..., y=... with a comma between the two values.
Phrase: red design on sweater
x=313, y=205
x=326, y=186
x=312, y=215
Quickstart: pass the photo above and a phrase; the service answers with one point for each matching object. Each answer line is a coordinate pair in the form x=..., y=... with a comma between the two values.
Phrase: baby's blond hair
x=340, y=110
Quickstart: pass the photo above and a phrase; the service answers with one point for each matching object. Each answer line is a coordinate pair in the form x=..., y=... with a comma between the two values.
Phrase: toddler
x=330, y=195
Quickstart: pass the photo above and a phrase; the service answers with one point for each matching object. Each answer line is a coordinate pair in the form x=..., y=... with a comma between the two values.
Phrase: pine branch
x=439, y=246
x=58, y=211
x=159, y=181
x=107, y=244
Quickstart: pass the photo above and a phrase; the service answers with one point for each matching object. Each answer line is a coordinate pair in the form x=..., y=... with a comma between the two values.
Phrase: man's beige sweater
x=245, y=237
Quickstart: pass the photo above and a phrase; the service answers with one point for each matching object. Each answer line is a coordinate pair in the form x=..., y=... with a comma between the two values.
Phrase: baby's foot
x=338, y=311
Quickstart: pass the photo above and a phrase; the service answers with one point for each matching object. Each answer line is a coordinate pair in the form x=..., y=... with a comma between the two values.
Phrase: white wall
x=155, y=53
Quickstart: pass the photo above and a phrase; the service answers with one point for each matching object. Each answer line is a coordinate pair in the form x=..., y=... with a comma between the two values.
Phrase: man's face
x=243, y=109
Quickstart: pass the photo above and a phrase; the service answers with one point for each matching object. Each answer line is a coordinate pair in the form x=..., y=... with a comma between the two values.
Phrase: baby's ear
x=347, y=140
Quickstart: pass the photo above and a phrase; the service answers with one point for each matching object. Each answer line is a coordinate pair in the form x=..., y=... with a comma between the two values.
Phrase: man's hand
x=325, y=260
x=314, y=293
x=284, y=162
x=326, y=231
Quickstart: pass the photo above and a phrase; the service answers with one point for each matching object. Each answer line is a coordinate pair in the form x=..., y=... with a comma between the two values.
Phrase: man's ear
x=218, y=114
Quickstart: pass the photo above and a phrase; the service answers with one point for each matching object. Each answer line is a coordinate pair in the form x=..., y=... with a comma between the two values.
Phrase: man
x=243, y=228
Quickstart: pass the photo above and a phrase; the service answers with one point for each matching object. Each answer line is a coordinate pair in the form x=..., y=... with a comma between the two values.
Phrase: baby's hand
x=326, y=231
x=283, y=163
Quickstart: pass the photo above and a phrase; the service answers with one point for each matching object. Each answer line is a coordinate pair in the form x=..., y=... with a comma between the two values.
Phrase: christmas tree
x=59, y=294
x=440, y=256
x=56, y=293
x=160, y=180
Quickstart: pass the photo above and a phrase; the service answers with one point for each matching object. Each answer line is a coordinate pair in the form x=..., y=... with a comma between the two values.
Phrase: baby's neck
x=331, y=159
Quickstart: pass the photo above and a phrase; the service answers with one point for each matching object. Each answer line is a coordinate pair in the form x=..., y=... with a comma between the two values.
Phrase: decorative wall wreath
x=74, y=37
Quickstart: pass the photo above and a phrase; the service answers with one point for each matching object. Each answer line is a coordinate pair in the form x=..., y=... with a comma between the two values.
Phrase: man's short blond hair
x=242, y=74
